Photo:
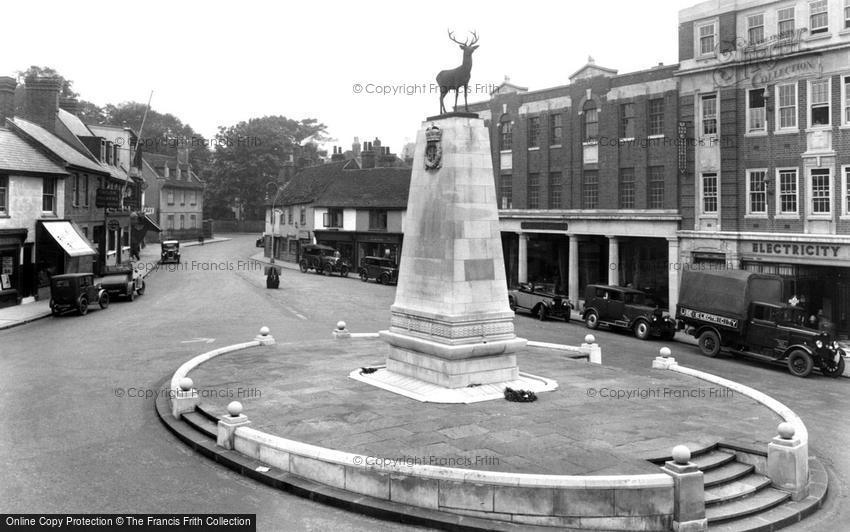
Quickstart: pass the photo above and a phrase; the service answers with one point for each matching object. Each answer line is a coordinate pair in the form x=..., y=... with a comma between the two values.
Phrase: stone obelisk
x=451, y=324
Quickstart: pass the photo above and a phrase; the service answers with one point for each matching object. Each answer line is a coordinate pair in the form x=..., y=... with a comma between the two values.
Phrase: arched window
x=590, y=115
x=506, y=135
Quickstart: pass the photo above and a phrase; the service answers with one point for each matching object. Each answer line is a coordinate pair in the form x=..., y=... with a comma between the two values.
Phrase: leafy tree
x=36, y=72
x=251, y=154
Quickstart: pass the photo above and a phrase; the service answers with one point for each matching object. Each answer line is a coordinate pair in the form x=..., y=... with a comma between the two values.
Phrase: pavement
x=36, y=310
x=601, y=420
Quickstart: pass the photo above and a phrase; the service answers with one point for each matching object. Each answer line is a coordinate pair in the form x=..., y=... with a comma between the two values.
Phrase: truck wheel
x=591, y=320
x=709, y=343
x=541, y=312
x=831, y=369
x=512, y=303
x=800, y=363
x=303, y=266
x=641, y=330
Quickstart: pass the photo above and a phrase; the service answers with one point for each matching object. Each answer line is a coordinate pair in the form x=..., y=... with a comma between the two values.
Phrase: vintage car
x=626, y=308
x=170, y=252
x=542, y=303
x=124, y=281
x=382, y=270
x=76, y=291
x=323, y=259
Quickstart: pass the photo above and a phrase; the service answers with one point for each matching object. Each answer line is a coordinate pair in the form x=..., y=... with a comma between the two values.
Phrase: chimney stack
x=337, y=155
x=367, y=158
x=42, y=101
x=72, y=105
x=7, y=98
x=355, y=147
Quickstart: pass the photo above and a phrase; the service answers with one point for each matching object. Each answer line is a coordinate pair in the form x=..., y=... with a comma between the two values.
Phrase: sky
x=365, y=68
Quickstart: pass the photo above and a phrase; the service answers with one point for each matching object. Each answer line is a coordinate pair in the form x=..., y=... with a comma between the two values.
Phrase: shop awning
x=150, y=224
x=69, y=239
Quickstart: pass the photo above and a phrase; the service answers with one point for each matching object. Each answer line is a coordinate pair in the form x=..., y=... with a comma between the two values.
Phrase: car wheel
x=141, y=289
x=709, y=343
x=541, y=312
x=343, y=271
x=83, y=306
x=591, y=320
x=385, y=278
x=800, y=363
x=303, y=266
x=512, y=303
x=327, y=270
x=641, y=330
x=103, y=300
x=364, y=276
x=832, y=369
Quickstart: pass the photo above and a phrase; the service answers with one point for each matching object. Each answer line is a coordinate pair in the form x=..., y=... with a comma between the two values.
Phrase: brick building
x=587, y=179
x=765, y=93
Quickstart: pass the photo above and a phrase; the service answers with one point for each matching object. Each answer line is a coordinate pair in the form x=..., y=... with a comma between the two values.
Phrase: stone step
x=737, y=489
x=202, y=424
x=712, y=459
x=726, y=473
x=759, y=502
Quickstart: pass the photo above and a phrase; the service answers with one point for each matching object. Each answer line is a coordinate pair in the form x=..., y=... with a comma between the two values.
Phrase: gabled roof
x=56, y=145
x=371, y=188
x=74, y=124
x=310, y=182
x=154, y=161
x=591, y=69
x=16, y=155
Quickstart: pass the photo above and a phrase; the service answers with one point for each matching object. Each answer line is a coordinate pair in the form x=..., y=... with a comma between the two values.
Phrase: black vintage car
x=626, y=308
x=125, y=281
x=76, y=291
x=323, y=259
x=170, y=252
x=539, y=301
x=382, y=270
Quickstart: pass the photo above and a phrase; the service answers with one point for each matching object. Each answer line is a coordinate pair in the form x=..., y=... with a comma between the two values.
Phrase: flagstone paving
x=303, y=392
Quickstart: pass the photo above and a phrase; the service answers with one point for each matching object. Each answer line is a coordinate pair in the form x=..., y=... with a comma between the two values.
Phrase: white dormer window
x=755, y=28
x=818, y=16
x=707, y=38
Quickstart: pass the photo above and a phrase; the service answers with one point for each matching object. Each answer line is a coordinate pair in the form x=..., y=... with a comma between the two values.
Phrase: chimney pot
x=7, y=98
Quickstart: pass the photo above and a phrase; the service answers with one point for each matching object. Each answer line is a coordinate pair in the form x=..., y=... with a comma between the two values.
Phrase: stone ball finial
x=340, y=325
x=681, y=454
x=665, y=352
x=264, y=331
x=186, y=384
x=786, y=430
x=234, y=408
x=589, y=339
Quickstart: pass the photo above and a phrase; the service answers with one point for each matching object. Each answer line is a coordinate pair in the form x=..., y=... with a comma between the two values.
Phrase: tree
x=250, y=154
x=36, y=72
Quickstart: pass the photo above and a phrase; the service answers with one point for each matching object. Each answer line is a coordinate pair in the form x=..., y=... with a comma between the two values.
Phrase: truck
x=742, y=313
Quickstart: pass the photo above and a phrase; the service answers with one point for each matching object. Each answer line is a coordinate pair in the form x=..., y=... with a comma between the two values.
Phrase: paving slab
x=601, y=420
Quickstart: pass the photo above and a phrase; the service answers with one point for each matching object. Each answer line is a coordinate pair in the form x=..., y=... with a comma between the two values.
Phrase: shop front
x=61, y=248
x=12, y=277
x=815, y=269
x=353, y=246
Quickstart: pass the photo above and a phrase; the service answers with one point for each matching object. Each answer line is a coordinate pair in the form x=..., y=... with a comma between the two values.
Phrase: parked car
x=123, y=281
x=743, y=313
x=540, y=302
x=626, y=308
x=323, y=259
x=382, y=270
x=170, y=252
x=76, y=291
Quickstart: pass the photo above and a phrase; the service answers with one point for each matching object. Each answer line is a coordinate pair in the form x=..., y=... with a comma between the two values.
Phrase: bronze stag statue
x=458, y=77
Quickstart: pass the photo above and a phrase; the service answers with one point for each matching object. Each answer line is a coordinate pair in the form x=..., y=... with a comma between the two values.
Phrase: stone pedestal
x=788, y=465
x=688, y=496
x=451, y=324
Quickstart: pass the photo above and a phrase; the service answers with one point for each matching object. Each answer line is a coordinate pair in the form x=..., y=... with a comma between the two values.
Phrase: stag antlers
x=464, y=44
